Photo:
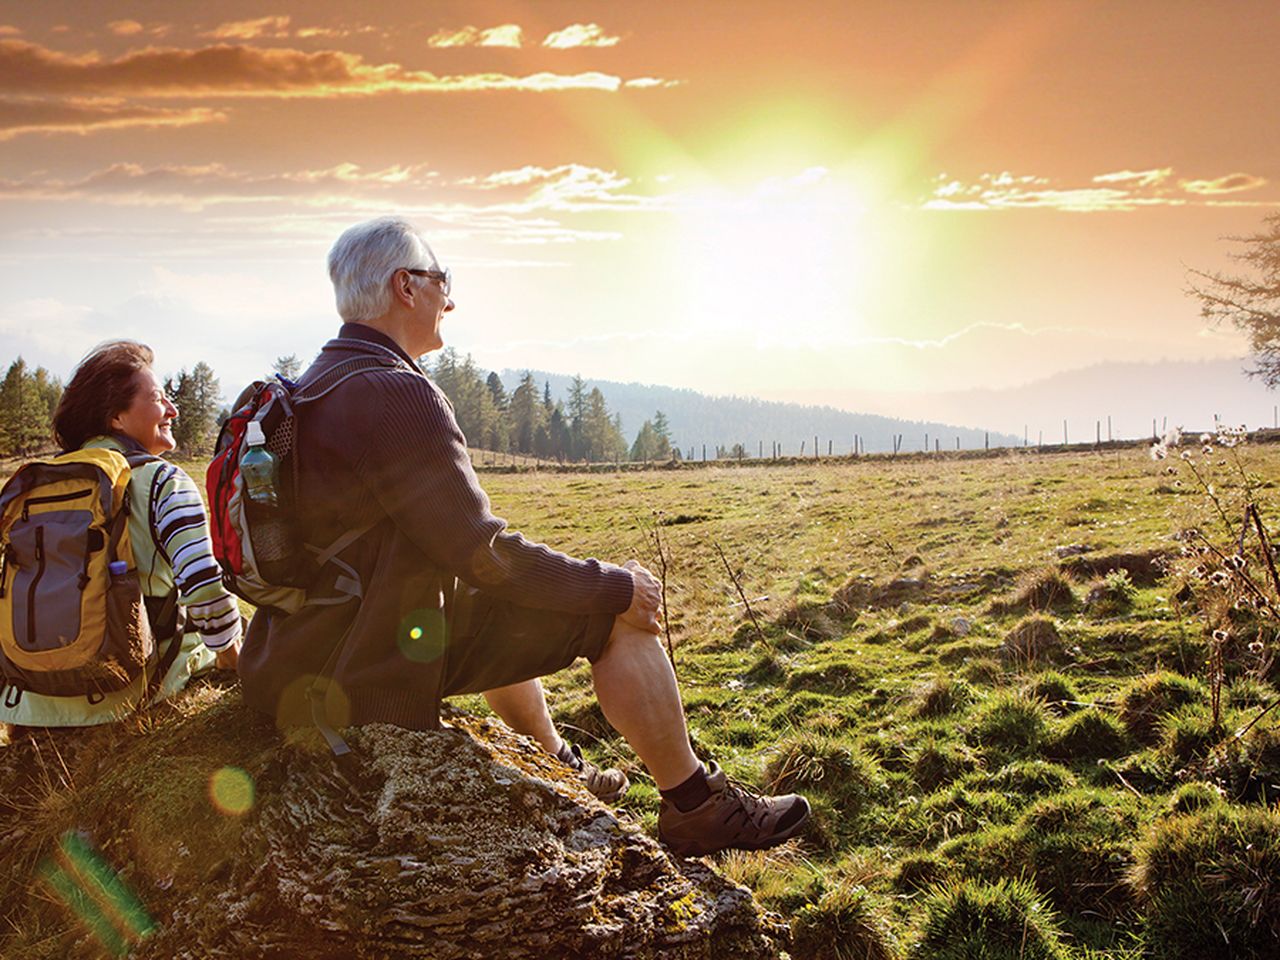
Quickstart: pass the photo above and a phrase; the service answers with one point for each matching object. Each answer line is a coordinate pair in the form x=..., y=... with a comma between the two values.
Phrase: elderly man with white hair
x=450, y=601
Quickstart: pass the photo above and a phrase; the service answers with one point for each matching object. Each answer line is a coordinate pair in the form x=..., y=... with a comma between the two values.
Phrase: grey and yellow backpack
x=73, y=620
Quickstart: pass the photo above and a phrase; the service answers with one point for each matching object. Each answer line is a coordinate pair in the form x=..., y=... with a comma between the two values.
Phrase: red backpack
x=263, y=559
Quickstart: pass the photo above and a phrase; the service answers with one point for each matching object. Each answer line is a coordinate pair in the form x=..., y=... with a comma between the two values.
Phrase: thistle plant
x=1230, y=563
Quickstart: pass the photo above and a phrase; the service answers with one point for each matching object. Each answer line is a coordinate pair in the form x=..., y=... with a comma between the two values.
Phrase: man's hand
x=646, y=599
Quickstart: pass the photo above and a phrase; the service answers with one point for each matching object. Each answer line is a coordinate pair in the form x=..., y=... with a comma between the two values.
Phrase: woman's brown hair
x=102, y=385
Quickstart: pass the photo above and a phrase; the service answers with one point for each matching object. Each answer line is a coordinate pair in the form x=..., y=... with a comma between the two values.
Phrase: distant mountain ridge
x=1186, y=393
x=696, y=419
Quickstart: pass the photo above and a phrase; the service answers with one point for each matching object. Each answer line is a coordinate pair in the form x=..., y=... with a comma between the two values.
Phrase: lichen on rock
x=463, y=842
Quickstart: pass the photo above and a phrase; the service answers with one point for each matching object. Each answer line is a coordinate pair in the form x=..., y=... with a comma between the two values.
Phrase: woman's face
x=149, y=416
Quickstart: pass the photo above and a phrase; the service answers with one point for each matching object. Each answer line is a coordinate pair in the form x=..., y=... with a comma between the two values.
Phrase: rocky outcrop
x=467, y=842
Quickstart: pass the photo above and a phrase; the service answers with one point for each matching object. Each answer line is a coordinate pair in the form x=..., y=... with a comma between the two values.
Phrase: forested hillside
x=696, y=419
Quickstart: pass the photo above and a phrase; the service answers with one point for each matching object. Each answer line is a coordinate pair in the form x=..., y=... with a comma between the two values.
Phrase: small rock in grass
x=1071, y=550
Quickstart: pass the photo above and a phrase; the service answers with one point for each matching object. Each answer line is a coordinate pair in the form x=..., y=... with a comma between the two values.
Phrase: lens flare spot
x=298, y=701
x=422, y=635
x=231, y=791
x=96, y=895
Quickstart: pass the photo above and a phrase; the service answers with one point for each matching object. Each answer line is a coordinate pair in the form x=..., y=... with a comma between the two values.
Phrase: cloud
x=339, y=31
x=580, y=35
x=9, y=30
x=132, y=28
x=506, y=35
x=197, y=186
x=1138, y=178
x=125, y=28
x=520, y=193
x=641, y=83
x=49, y=332
x=250, y=29
x=503, y=35
x=1231, y=183
x=242, y=71
x=568, y=188
x=1122, y=190
x=277, y=27
x=528, y=206
x=83, y=116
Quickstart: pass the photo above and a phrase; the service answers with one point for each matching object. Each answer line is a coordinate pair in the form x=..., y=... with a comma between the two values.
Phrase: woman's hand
x=229, y=656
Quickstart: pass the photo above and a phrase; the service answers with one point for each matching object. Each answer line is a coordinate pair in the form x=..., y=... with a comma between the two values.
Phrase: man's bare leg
x=523, y=707
x=638, y=694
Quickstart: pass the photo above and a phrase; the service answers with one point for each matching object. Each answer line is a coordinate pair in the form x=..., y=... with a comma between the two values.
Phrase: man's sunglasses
x=443, y=277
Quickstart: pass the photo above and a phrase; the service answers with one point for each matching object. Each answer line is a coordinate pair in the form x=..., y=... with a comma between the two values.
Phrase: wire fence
x=805, y=451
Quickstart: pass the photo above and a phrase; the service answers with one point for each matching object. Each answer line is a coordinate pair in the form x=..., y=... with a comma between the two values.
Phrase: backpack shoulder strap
x=138, y=458
x=169, y=609
x=344, y=370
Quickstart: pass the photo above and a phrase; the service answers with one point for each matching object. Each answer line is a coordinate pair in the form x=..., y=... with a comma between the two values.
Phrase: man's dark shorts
x=494, y=643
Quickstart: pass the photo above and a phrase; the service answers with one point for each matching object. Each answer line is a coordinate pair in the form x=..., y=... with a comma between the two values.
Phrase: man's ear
x=404, y=289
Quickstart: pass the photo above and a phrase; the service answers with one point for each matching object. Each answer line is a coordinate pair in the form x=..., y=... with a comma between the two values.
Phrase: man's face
x=433, y=304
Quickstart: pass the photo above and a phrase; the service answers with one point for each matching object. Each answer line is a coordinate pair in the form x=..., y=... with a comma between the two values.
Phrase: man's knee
x=627, y=636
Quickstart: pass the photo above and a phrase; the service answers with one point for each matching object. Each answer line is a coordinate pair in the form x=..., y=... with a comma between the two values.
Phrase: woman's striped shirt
x=179, y=530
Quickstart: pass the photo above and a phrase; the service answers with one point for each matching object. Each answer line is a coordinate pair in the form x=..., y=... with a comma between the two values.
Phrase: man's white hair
x=363, y=259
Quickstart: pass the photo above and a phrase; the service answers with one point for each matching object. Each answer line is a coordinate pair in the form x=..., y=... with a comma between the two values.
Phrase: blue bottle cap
x=117, y=568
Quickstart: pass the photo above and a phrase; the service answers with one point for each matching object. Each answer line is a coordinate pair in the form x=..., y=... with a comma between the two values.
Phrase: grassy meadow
x=988, y=674
x=981, y=674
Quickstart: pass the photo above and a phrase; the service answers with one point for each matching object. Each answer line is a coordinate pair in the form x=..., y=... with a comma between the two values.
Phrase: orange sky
x=805, y=200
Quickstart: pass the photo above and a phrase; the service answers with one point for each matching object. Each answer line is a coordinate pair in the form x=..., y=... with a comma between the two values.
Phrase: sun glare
x=785, y=259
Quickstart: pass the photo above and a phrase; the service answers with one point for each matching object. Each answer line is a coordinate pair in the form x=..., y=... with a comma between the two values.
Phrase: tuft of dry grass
x=1033, y=639
x=1044, y=589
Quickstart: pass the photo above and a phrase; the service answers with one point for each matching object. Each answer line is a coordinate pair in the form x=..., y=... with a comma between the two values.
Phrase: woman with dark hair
x=115, y=401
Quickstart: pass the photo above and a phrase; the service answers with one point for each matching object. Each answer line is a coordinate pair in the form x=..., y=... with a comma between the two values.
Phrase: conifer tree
x=445, y=372
x=577, y=418
x=288, y=366
x=645, y=446
x=499, y=393
x=601, y=435
x=196, y=395
x=559, y=440
x=24, y=412
x=50, y=390
x=526, y=414
x=663, y=433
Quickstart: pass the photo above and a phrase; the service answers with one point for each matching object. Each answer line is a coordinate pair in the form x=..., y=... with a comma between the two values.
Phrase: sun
x=784, y=259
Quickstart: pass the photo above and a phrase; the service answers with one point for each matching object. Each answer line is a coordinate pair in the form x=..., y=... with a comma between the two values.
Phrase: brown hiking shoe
x=733, y=817
x=608, y=785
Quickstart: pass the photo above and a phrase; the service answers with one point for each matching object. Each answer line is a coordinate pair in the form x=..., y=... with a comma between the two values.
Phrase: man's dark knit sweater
x=383, y=447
